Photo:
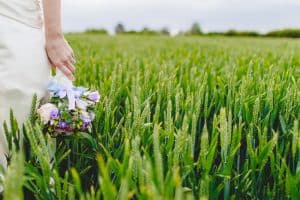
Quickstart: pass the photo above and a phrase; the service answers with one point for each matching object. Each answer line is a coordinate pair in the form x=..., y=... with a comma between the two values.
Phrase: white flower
x=45, y=112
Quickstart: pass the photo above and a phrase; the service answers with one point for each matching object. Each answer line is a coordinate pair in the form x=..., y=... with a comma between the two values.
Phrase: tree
x=145, y=30
x=119, y=28
x=195, y=29
x=165, y=31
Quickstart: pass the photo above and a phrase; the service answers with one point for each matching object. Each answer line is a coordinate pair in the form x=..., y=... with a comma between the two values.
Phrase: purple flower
x=62, y=93
x=54, y=113
x=84, y=116
x=78, y=91
x=81, y=104
x=94, y=96
x=57, y=89
x=62, y=124
x=85, y=126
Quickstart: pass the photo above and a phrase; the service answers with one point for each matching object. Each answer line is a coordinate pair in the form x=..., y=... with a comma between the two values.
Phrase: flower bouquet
x=70, y=109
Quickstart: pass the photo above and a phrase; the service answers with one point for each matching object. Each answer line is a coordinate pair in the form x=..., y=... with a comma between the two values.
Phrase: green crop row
x=179, y=118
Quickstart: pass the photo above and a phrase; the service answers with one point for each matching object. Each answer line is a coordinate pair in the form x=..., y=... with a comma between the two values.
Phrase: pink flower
x=45, y=112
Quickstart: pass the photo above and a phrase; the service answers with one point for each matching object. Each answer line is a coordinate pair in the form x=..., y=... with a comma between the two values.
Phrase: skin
x=59, y=52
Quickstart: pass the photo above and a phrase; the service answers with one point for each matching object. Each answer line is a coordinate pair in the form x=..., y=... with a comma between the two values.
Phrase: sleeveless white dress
x=24, y=66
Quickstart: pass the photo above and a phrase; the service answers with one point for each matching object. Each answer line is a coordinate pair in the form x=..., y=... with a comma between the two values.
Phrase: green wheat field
x=179, y=118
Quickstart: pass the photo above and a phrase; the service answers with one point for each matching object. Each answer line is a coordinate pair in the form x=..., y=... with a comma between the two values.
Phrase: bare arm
x=59, y=52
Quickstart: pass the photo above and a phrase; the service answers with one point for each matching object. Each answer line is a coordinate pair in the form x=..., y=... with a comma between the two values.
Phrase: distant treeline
x=290, y=33
x=196, y=30
x=121, y=30
x=97, y=31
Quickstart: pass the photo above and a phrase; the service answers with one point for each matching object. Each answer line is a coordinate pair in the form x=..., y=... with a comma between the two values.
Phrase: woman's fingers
x=66, y=71
x=71, y=67
x=73, y=59
x=69, y=64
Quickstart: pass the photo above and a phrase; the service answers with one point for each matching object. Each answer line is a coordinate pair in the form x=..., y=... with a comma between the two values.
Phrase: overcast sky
x=213, y=15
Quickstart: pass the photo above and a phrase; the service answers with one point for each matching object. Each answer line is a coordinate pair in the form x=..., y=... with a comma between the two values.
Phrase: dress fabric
x=28, y=12
x=24, y=68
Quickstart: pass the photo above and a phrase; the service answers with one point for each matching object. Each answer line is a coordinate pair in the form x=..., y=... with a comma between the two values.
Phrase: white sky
x=213, y=15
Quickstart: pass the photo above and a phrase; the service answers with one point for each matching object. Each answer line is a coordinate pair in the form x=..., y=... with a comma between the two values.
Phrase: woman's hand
x=61, y=55
x=59, y=52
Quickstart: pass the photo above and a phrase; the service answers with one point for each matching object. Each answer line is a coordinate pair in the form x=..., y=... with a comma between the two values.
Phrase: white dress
x=24, y=66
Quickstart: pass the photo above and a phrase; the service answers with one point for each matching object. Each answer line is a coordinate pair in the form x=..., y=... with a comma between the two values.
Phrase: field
x=179, y=118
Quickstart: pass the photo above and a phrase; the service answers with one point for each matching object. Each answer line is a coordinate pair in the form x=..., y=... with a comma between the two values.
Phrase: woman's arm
x=59, y=52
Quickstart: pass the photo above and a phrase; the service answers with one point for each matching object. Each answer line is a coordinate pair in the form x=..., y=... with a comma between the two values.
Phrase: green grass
x=179, y=118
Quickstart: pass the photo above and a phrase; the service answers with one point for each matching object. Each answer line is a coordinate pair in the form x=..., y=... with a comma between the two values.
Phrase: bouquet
x=69, y=110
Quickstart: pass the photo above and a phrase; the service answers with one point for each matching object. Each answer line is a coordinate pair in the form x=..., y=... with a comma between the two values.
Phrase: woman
x=26, y=54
